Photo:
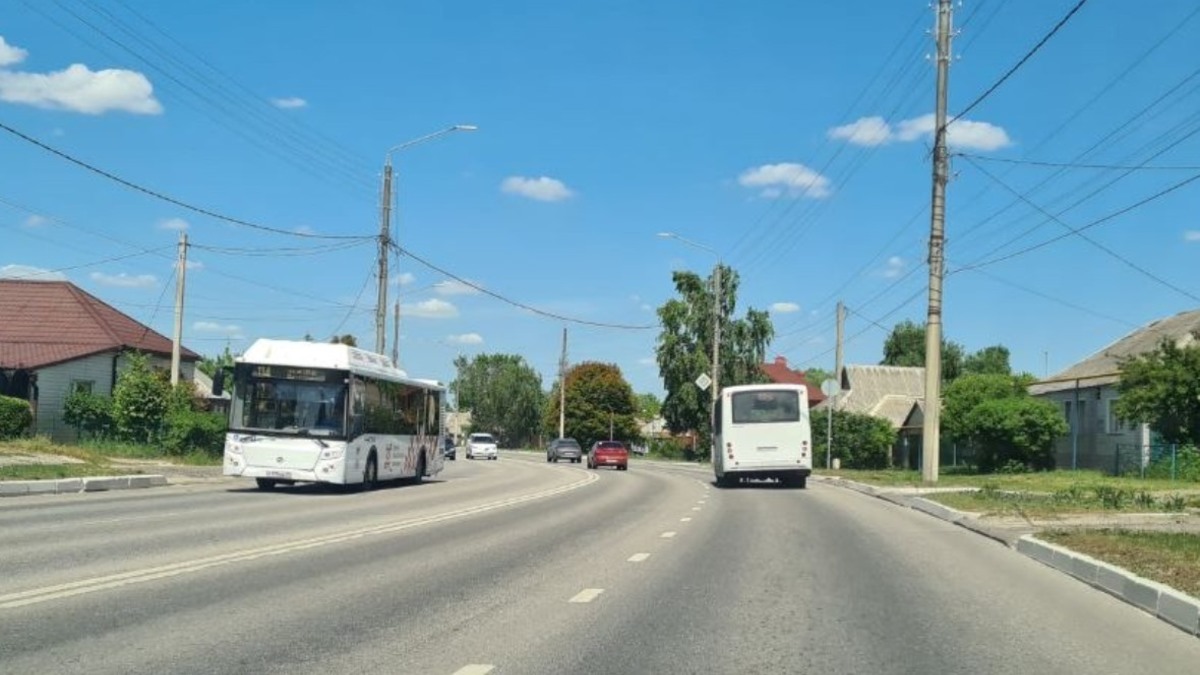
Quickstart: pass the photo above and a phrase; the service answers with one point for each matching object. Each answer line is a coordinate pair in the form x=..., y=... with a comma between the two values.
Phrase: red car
x=608, y=453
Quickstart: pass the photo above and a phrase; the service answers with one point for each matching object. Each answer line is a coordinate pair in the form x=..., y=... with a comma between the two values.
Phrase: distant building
x=892, y=393
x=778, y=372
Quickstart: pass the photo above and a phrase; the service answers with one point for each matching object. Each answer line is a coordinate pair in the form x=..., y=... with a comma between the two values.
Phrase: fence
x=1166, y=460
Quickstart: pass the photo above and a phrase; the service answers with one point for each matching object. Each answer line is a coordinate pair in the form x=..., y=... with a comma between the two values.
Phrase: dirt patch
x=16, y=459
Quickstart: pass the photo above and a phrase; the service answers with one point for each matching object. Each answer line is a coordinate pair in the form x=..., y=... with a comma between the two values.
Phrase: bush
x=1014, y=431
x=1184, y=466
x=189, y=431
x=15, y=417
x=668, y=448
x=140, y=401
x=859, y=441
x=90, y=414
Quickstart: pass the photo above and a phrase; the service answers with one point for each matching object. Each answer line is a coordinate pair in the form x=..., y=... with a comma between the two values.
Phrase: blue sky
x=790, y=136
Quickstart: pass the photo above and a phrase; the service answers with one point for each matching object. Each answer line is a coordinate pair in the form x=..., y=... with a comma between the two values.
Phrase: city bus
x=762, y=431
x=328, y=413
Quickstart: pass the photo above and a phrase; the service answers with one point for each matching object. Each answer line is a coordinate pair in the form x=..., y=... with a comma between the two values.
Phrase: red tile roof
x=779, y=373
x=47, y=322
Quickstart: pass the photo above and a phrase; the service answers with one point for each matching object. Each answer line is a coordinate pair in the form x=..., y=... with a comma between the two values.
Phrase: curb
x=22, y=488
x=1161, y=601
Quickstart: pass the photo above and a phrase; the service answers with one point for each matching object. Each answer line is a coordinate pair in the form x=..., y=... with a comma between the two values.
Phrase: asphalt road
x=517, y=566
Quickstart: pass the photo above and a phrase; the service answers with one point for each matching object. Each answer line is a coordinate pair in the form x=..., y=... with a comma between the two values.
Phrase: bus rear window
x=766, y=406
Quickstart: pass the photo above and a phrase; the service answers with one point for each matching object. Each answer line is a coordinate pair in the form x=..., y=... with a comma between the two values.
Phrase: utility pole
x=931, y=439
x=562, y=388
x=180, y=277
x=396, y=336
x=385, y=241
x=837, y=359
x=716, y=350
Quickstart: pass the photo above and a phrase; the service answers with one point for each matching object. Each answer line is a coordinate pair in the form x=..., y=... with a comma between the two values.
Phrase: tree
x=815, y=376
x=859, y=441
x=648, y=406
x=961, y=396
x=598, y=399
x=988, y=361
x=140, y=401
x=346, y=339
x=1162, y=389
x=504, y=395
x=210, y=366
x=684, y=349
x=1015, y=430
x=905, y=346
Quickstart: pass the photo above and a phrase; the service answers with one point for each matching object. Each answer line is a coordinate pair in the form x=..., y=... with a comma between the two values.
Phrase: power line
x=169, y=199
x=1069, y=165
x=1028, y=55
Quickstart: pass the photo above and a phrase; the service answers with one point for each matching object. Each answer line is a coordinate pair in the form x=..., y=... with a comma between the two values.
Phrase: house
x=779, y=372
x=1087, y=391
x=56, y=338
x=893, y=393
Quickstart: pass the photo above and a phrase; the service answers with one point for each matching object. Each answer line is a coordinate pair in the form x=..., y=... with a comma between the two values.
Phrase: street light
x=716, y=350
x=385, y=239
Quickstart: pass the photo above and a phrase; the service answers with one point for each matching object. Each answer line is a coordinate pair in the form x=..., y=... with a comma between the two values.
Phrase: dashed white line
x=667, y=535
x=587, y=595
x=695, y=508
x=686, y=519
x=702, y=501
x=638, y=557
x=475, y=669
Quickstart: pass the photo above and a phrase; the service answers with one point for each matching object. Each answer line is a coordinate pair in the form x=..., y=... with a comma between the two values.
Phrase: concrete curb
x=22, y=488
x=1162, y=601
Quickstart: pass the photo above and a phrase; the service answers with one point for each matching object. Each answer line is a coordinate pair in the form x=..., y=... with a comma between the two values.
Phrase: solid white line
x=37, y=595
x=475, y=669
x=667, y=535
x=638, y=557
x=688, y=519
x=587, y=595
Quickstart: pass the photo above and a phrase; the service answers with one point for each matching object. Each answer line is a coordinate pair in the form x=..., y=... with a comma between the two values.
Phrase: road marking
x=702, y=502
x=695, y=508
x=587, y=595
x=638, y=557
x=34, y=596
x=475, y=669
x=667, y=535
x=688, y=519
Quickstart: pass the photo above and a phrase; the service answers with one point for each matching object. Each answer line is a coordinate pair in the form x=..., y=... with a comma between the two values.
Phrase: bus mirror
x=218, y=382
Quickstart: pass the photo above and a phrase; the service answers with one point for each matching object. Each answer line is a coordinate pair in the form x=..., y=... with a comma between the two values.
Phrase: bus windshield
x=766, y=406
x=295, y=401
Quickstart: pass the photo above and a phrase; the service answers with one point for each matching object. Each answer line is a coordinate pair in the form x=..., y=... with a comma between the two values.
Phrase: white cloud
x=30, y=272
x=430, y=309
x=795, y=179
x=1191, y=235
x=403, y=279
x=195, y=265
x=543, y=189
x=454, y=287
x=80, y=89
x=124, y=280
x=9, y=54
x=894, y=268
x=784, y=307
x=289, y=102
x=465, y=339
x=229, y=330
x=177, y=224
x=864, y=131
x=35, y=221
x=963, y=134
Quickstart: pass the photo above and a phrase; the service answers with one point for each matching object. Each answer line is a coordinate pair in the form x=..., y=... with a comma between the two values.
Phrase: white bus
x=329, y=413
x=762, y=431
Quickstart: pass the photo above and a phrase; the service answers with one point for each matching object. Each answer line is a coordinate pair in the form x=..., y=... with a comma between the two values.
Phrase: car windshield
x=482, y=438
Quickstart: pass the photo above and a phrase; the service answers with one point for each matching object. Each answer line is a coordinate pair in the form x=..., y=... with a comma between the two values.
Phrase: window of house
x=82, y=386
x=1114, y=423
x=1067, y=413
x=1082, y=411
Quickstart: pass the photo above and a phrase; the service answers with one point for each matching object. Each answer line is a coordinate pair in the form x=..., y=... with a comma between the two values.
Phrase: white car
x=481, y=446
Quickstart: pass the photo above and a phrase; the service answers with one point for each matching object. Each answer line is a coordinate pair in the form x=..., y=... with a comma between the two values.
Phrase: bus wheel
x=370, y=474
x=725, y=481
x=265, y=483
x=417, y=479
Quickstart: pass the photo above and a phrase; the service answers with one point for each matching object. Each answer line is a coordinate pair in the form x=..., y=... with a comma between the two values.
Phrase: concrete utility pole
x=562, y=388
x=180, y=277
x=716, y=350
x=931, y=438
x=837, y=359
x=385, y=241
x=396, y=336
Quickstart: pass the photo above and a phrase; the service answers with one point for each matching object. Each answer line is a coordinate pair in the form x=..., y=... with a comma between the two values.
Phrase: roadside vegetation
x=1171, y=558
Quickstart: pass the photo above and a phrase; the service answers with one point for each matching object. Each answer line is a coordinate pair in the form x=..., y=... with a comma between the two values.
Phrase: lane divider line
x=667, y=535
x=586, y=595
x=638, y=557
x=686, y=519
x=475, y=669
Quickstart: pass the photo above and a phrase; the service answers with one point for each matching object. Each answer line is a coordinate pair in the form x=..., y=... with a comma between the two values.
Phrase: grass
x=1171, y=558
x=1044, y=481
x=54, y=471
x=92, y=459
x=1075, y=499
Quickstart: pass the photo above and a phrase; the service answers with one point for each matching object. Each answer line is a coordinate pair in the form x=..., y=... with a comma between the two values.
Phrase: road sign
x=830, y=387
x=703, y=381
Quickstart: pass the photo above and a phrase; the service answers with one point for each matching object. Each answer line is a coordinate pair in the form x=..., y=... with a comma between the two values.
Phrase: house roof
x=47, y=322
x=888, y=392
x=779, y=373
x=1104, y=366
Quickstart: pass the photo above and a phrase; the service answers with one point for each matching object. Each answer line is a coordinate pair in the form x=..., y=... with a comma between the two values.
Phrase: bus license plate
x=278, y=474
x=767, y=448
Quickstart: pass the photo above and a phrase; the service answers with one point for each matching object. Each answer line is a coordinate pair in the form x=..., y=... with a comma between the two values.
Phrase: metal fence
x=1165, y=460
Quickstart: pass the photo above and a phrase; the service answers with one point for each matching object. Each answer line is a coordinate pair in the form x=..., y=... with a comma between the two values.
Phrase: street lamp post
x=716, y=347
x=385, y=237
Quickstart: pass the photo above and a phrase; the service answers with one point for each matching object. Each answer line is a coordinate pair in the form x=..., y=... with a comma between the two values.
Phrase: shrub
x=859, y=441
x=1019, y=430
x=189, y=430
x=90, y=414
x=668, y=448
x=15, y=417
x=1185, y=465
x=140, y=401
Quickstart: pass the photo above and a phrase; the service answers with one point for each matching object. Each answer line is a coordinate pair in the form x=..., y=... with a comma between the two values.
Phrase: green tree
x=859, y=441
x=346, y=339
x=598, y=399
x=504, y=395
x=961, y=396
x=684, y=349
x=90, y=414
x=1017, y=429
x=140, y=400
x=815, y=376
x=1162, y=388
x=905, y=346
x=648, y=406
x=210, y=366
x=988, y=361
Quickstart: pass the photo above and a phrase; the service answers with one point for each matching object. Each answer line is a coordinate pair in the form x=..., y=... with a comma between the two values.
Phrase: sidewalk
x=1161, y=601
x=150, y=474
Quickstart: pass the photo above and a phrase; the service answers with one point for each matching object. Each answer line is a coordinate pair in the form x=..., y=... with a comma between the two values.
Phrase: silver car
x=564, y=448
x=481, y=446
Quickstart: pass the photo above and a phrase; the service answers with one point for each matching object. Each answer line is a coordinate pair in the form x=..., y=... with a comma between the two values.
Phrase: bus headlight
x=333, y=453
